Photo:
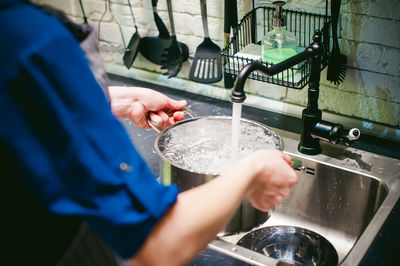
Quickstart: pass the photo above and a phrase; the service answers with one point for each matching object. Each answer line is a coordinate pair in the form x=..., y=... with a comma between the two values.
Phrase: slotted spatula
x=206, y=66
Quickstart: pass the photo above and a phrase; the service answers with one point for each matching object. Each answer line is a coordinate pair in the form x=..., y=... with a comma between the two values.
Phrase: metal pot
x=174, y=171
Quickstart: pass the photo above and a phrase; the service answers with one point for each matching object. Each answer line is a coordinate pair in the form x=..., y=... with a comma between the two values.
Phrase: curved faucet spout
x=313, y=127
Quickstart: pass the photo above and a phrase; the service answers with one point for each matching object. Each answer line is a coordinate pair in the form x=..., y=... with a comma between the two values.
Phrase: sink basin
x=334, y=202
x=339, y=196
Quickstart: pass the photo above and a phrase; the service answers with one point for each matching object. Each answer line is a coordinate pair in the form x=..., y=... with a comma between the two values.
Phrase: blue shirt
x=60, y=139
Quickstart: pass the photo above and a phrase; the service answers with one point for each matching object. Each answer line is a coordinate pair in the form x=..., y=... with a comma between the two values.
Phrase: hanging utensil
x=230, y=23
x=152, y=47
x=337, y=61
x=207, y=62
x=133, y=46
x=172, y=57
x=130, y=50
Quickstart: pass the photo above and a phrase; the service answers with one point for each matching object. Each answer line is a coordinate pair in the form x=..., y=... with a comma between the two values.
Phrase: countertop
x=383, y=249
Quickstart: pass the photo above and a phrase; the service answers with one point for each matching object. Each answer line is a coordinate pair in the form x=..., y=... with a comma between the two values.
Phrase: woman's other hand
x=139, y=104
x=274, y=176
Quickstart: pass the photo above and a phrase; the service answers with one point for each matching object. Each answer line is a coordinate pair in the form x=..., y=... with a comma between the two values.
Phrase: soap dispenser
x=279, y=44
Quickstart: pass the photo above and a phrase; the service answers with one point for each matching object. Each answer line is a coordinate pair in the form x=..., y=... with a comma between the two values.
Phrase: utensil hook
x=83, y=12
x=108, y=7
x=133, y=17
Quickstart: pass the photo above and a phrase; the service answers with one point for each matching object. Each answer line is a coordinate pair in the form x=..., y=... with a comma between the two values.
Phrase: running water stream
x=236, y=116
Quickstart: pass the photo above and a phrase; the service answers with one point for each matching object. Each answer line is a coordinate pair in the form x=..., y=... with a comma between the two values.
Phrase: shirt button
x=125, y=167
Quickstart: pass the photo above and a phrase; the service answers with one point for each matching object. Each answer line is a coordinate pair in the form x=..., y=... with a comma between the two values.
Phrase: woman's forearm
x=194, y=221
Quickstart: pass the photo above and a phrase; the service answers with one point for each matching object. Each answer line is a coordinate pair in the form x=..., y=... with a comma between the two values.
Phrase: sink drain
x=292, y=245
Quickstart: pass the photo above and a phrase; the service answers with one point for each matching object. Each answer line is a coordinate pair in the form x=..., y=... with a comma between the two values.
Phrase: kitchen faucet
x=313, y=127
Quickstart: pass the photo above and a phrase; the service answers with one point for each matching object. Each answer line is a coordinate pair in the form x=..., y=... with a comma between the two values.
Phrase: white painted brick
x=356, y=105
x=244, y=7
x=367, y=83
x=382, y=8
x=298, y=97
x=265, y=89
x=123, y=15
x=68, y=6
x=93, y=9
x=370, y=29
x=315, y=6
x=372, y=57
x=215, y=9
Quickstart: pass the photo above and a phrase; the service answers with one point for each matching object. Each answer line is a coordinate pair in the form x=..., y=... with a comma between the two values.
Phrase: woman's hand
x=139, y=104
x=274, y=176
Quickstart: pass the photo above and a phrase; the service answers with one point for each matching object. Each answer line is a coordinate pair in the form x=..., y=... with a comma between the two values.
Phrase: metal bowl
x=292, y=245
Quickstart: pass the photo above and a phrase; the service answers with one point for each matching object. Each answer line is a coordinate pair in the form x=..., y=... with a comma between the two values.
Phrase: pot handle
x=187, y=111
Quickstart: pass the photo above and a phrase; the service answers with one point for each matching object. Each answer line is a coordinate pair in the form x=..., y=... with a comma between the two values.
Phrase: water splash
x=205, y=145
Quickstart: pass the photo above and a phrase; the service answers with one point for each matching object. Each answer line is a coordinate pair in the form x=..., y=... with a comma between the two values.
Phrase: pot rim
x=188, y=120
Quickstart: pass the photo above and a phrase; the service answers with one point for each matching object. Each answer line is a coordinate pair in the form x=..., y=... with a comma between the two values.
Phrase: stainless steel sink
x=334, y=202
x=345, y=195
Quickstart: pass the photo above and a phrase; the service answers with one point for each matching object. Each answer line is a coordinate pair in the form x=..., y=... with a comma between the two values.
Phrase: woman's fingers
x=175, y=104
x=287, y=158
x=178, y=116
x=164, y=119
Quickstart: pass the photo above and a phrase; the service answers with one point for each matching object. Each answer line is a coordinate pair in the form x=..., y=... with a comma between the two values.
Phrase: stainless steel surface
x=294, y=245
x=246, y=217
x=344, y=194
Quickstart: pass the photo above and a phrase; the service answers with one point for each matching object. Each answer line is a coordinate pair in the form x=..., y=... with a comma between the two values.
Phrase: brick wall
x=370, y=33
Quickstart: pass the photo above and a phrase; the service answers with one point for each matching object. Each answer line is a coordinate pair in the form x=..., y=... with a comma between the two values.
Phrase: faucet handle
x=335, y=133
x=354, y=134
x=351, y=136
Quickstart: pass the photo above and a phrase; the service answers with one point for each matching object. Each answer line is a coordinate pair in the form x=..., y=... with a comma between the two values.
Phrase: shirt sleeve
x=72, y=152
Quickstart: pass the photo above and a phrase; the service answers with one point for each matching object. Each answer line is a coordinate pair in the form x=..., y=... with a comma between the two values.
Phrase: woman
x=66, y=158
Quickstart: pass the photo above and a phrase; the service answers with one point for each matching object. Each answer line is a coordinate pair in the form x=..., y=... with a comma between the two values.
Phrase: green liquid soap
x=277, y=55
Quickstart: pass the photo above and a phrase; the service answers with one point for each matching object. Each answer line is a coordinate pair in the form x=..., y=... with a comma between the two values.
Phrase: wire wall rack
x=245, y=44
